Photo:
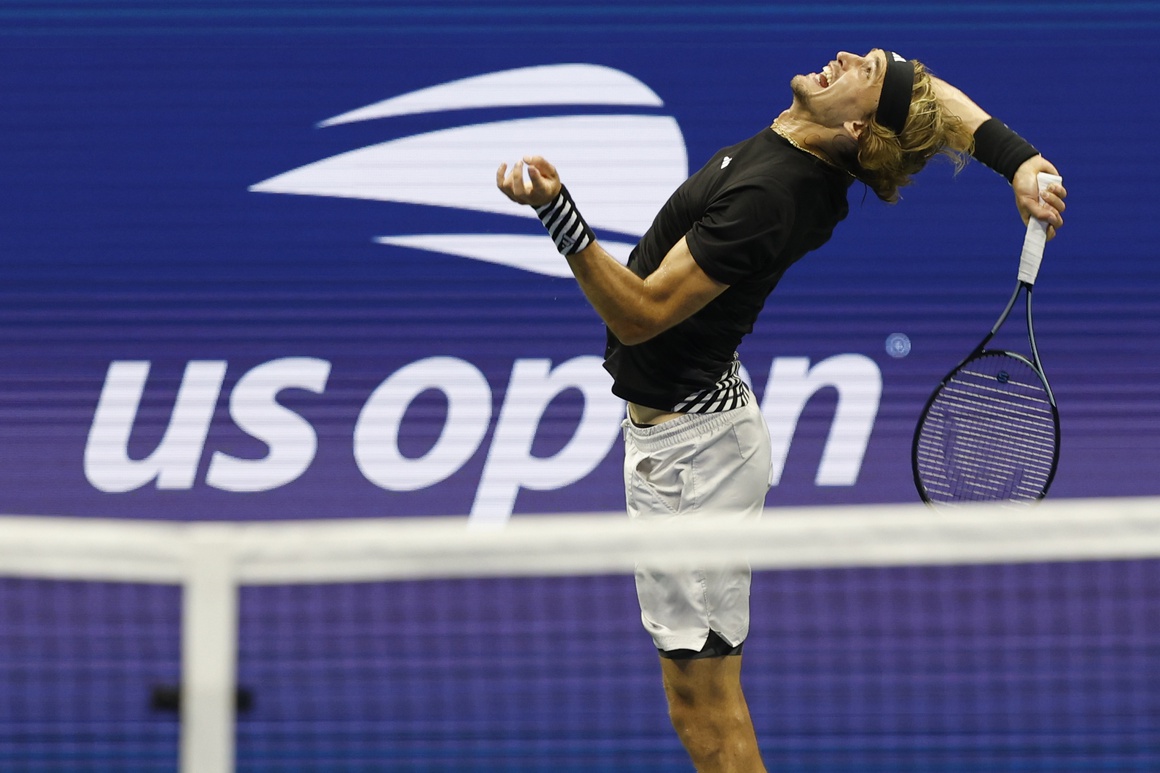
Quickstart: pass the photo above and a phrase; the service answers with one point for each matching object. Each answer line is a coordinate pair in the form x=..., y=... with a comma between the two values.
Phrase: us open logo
x=622, y=166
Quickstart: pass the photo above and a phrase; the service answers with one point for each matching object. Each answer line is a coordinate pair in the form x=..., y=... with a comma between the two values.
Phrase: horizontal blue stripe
x=100, y=8
x=741, y=26
x=656, y=17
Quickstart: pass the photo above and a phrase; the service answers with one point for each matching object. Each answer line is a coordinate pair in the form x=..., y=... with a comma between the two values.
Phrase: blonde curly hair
x=886, y=161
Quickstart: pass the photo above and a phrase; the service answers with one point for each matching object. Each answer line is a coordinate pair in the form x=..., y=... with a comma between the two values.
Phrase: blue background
x=129, y=134
x=132, y=132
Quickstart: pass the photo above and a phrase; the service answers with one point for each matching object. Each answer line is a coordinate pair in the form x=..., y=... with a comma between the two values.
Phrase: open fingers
x=539, y=186
x=541, y=165
x=517, y=179
x=512, y=182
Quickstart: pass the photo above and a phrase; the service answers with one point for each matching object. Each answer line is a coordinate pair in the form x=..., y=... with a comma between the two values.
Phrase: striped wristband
x=565, y=224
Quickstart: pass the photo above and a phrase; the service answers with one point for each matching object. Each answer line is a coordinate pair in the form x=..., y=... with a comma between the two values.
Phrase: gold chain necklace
x=780, y=132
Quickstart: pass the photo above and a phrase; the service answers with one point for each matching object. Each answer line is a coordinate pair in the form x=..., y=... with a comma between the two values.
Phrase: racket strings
x=988, y=434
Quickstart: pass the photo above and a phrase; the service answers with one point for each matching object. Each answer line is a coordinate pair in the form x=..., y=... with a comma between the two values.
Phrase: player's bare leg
x=710, y=715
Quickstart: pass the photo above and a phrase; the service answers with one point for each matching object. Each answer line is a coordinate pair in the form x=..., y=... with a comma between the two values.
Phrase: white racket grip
x=1036, y=237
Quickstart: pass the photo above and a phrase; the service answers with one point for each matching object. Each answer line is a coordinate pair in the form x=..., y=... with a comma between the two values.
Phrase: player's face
x=845, y=90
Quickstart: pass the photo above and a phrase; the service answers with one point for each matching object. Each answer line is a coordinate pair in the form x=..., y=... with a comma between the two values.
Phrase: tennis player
x=696, y=444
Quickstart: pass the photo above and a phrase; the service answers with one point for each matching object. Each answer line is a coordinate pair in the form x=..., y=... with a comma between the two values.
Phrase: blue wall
x=132, y=137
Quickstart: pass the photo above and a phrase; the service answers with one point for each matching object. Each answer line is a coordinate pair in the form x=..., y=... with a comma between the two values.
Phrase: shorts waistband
x=676, y=431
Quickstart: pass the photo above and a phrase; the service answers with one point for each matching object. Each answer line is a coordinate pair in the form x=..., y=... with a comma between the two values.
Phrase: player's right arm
x=1023, y=178
x=958, y=104
x=634, y=309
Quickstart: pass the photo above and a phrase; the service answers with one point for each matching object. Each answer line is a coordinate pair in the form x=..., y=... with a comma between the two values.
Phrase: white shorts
x=714, y=465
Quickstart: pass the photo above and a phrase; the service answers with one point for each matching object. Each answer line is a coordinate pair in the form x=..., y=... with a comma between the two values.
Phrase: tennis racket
x=990, y=430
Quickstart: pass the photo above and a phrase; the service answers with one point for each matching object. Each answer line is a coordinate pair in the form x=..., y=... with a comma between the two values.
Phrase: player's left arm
x=1001, y=149
x=634, y=309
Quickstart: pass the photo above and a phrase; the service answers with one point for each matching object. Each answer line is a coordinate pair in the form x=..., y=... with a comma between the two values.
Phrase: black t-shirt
x=751, y=212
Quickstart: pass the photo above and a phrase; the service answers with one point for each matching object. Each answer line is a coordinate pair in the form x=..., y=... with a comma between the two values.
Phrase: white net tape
x=557, y=545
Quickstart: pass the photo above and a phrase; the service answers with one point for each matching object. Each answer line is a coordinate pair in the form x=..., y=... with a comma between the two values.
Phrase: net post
x=209, y=632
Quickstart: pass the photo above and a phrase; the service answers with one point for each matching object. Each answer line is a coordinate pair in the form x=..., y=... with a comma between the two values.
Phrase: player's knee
x=692, y=703
x=710, y=734
x=696, y=728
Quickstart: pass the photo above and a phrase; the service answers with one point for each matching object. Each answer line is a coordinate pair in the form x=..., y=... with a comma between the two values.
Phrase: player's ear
x=854, y=128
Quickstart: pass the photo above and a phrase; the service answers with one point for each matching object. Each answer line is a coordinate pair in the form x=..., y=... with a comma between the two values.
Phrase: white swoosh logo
x=557, y=84
x=619, y=168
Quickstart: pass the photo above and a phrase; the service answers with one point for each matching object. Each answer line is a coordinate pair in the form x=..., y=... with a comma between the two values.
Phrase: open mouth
x=824, y=78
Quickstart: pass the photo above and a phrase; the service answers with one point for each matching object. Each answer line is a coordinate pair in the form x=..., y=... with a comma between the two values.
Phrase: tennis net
x=885, y=638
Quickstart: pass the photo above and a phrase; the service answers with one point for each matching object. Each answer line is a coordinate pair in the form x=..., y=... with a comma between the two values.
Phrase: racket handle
x=1036, y=237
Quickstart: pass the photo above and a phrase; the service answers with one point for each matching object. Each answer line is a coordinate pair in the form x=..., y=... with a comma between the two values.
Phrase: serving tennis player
x=696, y=444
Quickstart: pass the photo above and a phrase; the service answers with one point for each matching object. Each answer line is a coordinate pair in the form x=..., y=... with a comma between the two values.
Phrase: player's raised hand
x=541, y=185
x=1027, y=194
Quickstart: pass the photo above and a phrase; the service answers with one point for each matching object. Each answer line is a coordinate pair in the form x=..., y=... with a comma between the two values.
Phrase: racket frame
x=981, y=350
